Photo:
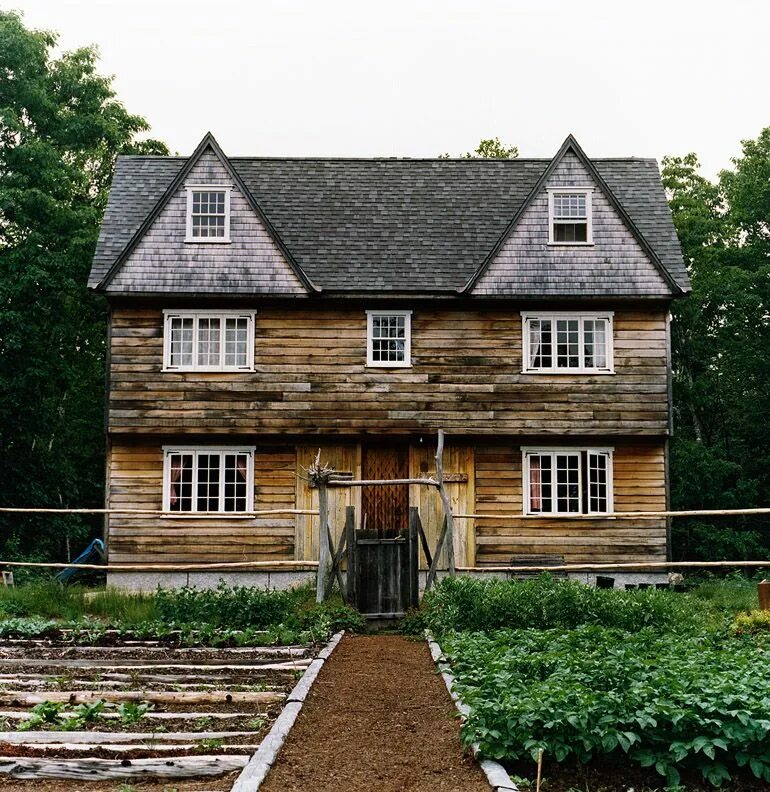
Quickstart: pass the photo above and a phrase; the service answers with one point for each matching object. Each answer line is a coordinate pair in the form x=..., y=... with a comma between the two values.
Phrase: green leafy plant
x=83, y=715
x=132, y=712
x=47, y=713
x=664, y=700
x=210, y=744
x=752, y=623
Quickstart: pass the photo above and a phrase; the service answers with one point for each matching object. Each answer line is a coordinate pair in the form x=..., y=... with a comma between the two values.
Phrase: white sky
x=421, y=77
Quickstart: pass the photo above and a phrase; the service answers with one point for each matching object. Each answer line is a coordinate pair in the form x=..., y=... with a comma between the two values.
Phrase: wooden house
x=263, y=308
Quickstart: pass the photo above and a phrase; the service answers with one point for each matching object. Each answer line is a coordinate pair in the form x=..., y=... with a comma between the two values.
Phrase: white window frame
x=168, y=450
x=588, y=192
x=581, y=316
x=193, y=188
x=585, y=509
x=169, y=314
x=407, y=361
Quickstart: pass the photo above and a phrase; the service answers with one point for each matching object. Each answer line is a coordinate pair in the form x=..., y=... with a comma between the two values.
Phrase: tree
x=489, y=149
x=721, y=351
x=61, y=128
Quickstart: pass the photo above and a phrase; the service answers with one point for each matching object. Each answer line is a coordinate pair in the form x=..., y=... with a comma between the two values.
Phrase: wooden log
x=444, y=495
x=162, y=716
x=324, y=551
x=116, y=769
x=23, y=698
x=350, y=541
x=238, y=748
x=111, y=738
x=117, y=665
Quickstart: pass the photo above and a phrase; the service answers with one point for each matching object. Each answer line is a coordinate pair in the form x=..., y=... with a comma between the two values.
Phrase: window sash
x=570, y=216
x=209, y=342
x=207, y=480
x=388, y=339
x=566, y=482
x=568, y=343
x=208, y=214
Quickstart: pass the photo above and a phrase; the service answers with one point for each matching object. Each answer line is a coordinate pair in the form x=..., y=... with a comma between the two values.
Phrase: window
x=198, y=341
x=567, y=481
x=208, y=480
x=388, y=338
x=569, y=212
x=563, y=343
x=208, y=214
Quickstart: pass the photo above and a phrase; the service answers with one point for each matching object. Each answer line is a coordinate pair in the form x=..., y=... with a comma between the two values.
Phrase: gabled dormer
x=206, y=235
x=572, y=238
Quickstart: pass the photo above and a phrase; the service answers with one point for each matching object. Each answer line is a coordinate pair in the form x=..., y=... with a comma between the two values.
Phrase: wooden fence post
x=350, y=540
x=763, y=593
x=450, y=526
x=324, y=552
x=414, y=557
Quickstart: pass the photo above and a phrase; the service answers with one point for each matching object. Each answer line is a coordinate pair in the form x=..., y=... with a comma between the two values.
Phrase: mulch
x=378, y=717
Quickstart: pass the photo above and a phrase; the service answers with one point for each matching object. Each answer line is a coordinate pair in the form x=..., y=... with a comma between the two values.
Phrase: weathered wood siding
x=136, y=482
x=639, y=485
x=526, y=265
x=310, y=378
x=162, y=262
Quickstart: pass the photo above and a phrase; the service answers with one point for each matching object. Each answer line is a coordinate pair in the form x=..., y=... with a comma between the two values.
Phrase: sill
x=389, y=365
x=570, y=244
x=573, y=515
x=196, y=516
x=207, y=370
x=561, y=372
x=207, y=241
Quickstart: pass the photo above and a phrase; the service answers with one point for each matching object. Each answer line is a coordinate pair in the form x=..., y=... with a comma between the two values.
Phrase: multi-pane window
x=570, y=216
x=567, y=481
x=209, y=342
x=208, y=480
x=388, y=338
x=562, y=343
x=208, y=214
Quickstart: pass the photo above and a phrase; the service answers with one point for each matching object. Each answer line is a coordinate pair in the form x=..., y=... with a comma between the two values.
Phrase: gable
x=162, y=262
x=615, y=265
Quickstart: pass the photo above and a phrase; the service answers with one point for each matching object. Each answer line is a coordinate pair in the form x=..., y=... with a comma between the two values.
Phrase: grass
x=726, y=596
x=50, y=600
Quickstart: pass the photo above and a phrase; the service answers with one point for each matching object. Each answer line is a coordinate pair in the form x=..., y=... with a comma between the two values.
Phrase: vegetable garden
x=626, y=687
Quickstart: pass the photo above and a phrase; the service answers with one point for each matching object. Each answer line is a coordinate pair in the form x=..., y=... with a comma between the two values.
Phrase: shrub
x=664, y=700
x=751, y=623
x=465, y=603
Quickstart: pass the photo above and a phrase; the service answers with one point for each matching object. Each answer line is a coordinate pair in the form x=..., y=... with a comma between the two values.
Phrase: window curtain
x=535, y=484
x=176, y=473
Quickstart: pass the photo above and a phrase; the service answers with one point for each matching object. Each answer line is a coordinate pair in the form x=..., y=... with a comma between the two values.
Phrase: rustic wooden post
x=324, y=551
x=434, y=564
x=450, y=550
x=414, y=557
x=763, y=594
x=350, y=539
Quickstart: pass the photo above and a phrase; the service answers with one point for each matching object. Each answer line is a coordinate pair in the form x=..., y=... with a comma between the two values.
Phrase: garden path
x=378, y=717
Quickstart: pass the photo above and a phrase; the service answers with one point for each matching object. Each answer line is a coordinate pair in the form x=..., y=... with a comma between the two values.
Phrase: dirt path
x=378, y=717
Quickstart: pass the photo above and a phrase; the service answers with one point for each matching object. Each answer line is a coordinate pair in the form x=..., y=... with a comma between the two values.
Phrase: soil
x=378, y=717
x=607, y=775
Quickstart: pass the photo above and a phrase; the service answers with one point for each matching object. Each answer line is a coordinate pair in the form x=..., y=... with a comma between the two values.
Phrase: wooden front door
x=385, y=509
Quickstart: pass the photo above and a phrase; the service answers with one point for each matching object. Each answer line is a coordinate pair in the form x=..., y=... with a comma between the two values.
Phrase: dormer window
x=208, y=214
x=569, y=216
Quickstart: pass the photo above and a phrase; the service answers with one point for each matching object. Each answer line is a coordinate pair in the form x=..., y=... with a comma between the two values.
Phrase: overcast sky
x=421, y=77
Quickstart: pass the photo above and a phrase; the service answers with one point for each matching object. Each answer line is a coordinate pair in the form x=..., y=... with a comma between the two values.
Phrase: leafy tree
x=721, y=351
x=490, y=149
x=61, y=128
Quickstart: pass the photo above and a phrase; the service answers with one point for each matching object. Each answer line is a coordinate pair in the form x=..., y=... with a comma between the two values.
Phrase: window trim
x=585, y=508
x=588, y=191
x=526, y=316
x=189, y=238
x=169, y=314
x=168, y=450
x=407, y=361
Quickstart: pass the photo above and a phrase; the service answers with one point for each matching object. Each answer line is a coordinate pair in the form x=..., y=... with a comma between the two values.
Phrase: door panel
x=385, y=509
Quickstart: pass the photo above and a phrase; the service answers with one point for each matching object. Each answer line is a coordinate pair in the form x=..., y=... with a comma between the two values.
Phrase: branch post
x=450, y=528
x=319, y=475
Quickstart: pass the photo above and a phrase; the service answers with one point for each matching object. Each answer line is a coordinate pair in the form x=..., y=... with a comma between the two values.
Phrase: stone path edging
x=255, y=772
x=496, y=774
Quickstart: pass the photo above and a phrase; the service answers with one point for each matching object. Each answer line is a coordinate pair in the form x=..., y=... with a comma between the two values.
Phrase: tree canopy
x=61, y=128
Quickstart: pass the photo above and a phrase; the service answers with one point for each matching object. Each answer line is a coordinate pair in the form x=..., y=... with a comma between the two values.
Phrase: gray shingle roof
x=389, y=225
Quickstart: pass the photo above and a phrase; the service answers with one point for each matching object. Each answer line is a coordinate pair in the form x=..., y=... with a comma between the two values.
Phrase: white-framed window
x=208, y=213
x=389, y=339
x=566, y=342
x=208, y=479
x=569, y=216
x=208, y=341
x=562, y=481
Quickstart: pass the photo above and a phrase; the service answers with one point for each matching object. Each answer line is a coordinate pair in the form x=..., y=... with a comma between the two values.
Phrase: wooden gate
x=382, y=569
